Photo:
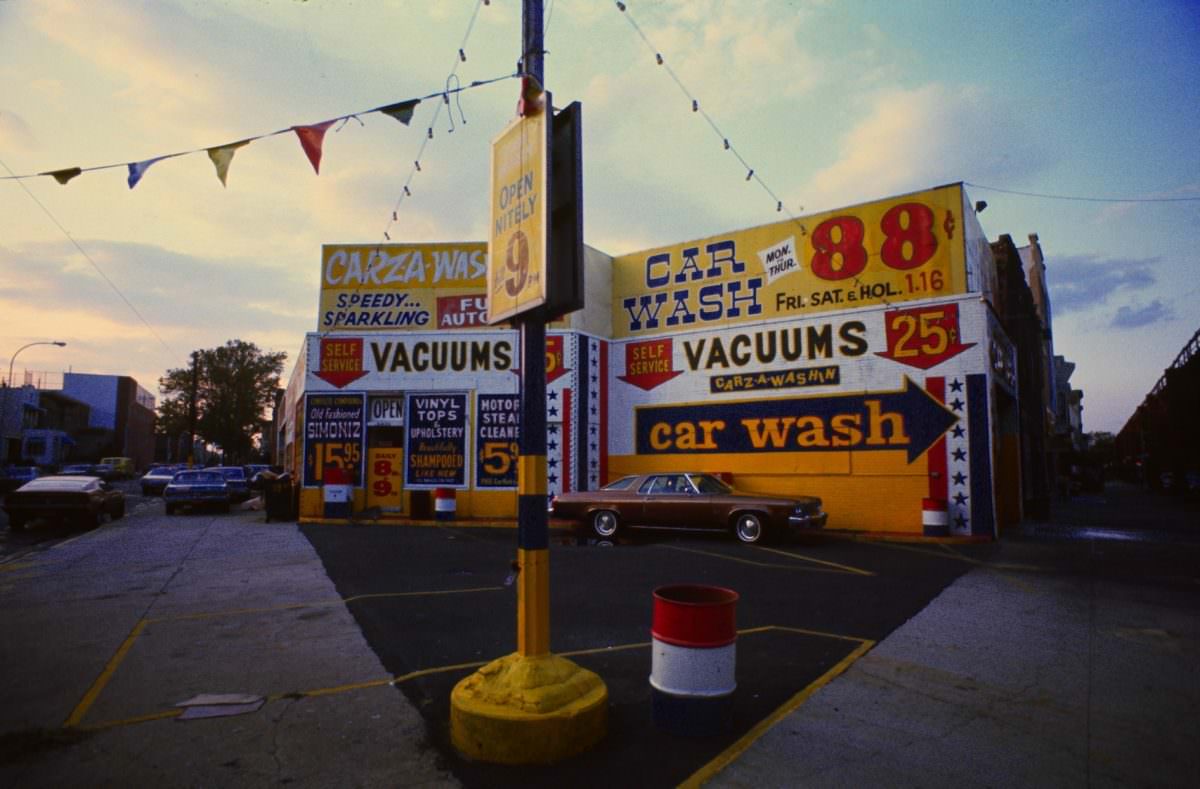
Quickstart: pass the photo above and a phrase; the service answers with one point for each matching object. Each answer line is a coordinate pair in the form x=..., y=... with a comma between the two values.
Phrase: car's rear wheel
x=604, y=523
x=90, y=520
x=16, y=523
x=170, y=509
x=748, y=527
x=225, y=507
x=119, y=511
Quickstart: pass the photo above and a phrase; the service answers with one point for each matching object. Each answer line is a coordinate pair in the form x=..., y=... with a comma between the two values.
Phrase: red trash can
x=693, y=659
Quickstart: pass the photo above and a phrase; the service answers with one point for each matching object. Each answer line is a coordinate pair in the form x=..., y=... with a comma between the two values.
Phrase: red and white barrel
x=694, y=655
x=935, y=518
x=445, y=504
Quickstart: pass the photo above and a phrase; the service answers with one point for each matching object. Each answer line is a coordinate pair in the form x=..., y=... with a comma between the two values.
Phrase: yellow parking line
x=706, y=772
x=844, y=567
x=320, y=603
x=110, y=668
x=727, y=756
x=153, y=716
x=751, y=562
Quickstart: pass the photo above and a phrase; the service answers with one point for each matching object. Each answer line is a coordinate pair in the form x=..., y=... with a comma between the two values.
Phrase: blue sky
x=831, y=102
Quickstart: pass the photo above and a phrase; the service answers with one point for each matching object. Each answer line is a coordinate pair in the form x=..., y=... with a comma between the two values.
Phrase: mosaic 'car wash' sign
x=903, y=248
x=333, y=436
x=436, y=426
x=402, y=287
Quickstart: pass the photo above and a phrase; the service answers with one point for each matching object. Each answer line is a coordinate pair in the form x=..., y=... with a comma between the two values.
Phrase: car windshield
x=706, y=483
x=198, y=478
x=58, y=483
x=619, y=484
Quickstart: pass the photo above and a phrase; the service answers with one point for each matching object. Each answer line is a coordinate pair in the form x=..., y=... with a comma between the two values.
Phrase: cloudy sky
x=832, y=103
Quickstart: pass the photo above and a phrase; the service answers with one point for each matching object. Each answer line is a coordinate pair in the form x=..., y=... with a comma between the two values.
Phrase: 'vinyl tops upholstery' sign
x=437, y=440
x=902, y=248
x=398, y=287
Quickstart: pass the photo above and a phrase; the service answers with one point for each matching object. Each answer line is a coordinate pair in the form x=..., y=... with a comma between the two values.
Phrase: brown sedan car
x=84, y=500
x=686, y=501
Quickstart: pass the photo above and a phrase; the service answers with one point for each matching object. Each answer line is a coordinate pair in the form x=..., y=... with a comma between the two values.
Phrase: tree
x=234, y=385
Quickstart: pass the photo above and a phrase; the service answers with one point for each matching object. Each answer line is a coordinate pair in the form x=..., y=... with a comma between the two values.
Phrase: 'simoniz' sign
x=333, y=433
x=436, y=425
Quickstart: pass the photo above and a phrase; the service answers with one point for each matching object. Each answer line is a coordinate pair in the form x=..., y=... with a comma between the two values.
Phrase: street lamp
x=9, y=384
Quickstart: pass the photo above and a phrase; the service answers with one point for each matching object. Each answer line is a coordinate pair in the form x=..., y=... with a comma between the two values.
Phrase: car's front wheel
x=16, y=522
x=604, y=523
x=170, y=509
x=118, y=511
x=748, y=527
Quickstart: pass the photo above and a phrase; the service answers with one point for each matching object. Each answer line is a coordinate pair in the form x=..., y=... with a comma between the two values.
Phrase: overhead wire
x=751, y=173
x=1084, y=199
x=89, y=259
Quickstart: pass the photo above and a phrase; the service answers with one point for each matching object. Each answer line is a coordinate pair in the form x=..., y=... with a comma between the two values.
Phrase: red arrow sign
x=649, y=363
x=341, y=360
x=923, y=336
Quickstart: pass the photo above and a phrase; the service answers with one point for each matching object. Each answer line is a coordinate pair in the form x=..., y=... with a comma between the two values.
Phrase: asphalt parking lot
x=808, y=608
x=1061, y=655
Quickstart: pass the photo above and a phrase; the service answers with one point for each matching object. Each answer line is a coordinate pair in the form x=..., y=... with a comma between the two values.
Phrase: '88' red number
x=907, y=244
x=847, y=245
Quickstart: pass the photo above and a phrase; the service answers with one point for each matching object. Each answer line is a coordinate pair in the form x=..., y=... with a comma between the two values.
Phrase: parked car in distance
x=236, y=479
x=14, y=477
x=105, y=472
x=154, y=480
x=78, y=470
x=253, y=469
x=689, y=501
x=196, y=488
x=84, y=500
x=123, y=468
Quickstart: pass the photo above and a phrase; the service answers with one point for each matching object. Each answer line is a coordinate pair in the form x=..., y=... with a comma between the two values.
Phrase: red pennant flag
x=311, y=138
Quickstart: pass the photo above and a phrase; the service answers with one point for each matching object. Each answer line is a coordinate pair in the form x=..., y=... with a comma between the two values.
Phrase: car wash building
x=852, y=354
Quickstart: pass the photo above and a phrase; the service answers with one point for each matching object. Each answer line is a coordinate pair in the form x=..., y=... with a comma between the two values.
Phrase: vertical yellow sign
x=517, y=242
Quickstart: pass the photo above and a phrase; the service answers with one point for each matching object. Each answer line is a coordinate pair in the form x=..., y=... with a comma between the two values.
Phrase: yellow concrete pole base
x=528, y=710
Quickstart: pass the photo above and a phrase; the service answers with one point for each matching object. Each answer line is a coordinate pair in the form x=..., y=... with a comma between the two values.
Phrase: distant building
x=121, y=418
x=1022, y=320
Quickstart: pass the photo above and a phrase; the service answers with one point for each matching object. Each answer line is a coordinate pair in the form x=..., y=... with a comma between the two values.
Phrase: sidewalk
x=197, y=571
x=1057, y=664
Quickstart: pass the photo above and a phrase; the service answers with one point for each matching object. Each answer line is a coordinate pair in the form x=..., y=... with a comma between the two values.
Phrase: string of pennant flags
x=751, y=175
x=311, y=137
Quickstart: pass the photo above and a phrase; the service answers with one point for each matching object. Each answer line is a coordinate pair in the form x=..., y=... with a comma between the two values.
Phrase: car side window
x=669, y=484
x=649, y=485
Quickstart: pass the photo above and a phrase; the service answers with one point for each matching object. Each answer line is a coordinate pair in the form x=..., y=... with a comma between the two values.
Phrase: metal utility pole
x=533, y=526
x=191, y=450
x=531, y=706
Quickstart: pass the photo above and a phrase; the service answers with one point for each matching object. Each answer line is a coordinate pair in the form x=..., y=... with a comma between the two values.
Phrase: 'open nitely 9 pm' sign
x=517, y=243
